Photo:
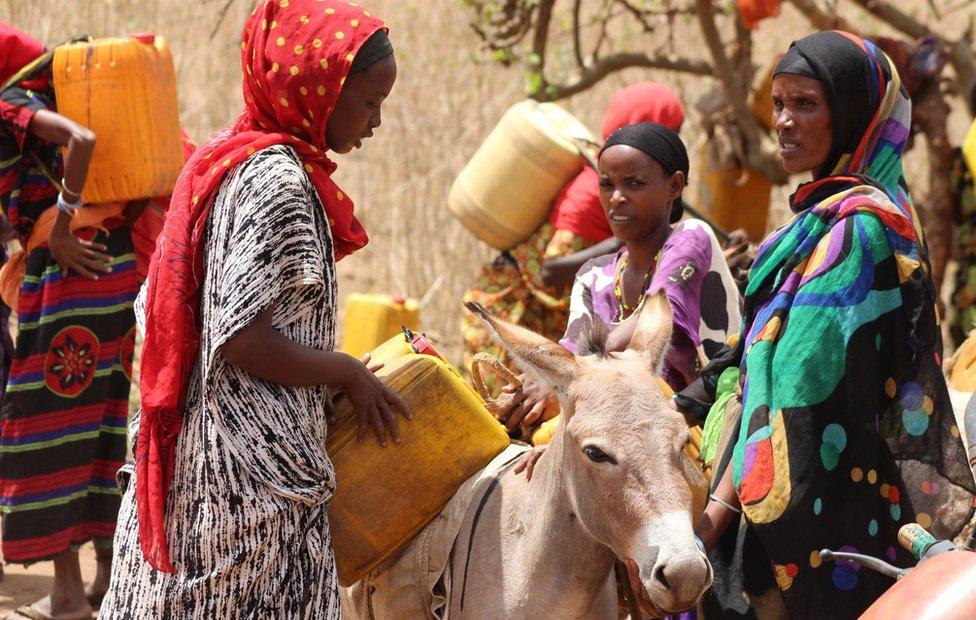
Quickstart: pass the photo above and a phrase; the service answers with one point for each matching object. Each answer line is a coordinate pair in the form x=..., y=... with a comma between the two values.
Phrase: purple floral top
x=696, y=279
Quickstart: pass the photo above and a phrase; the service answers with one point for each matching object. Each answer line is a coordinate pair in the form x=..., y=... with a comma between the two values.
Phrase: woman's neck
x=643, y=252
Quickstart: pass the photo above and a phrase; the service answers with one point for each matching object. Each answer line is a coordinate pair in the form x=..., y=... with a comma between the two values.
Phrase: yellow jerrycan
x=733, y=198
x=123, y=89
x=373, y=318
x=969, y=147
x=962, y=377
x=505, y=191
x=385, y=496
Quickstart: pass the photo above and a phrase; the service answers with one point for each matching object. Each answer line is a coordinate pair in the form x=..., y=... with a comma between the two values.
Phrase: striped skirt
x=63, y=421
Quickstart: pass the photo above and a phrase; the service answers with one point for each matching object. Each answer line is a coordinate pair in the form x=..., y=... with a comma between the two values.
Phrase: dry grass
x=446, y=100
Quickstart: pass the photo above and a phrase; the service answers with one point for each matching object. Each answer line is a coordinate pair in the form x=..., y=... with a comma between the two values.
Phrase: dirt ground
x=21, y=586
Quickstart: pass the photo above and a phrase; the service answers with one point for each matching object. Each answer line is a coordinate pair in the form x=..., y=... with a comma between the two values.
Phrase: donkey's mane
x=593, y=341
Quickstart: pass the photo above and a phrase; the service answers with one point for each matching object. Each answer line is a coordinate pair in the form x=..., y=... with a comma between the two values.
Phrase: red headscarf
x=295, y=56
x=19, y=49
x=577, y=208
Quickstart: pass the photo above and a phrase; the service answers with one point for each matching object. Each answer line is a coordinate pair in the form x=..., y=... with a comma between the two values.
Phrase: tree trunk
x=931, y=113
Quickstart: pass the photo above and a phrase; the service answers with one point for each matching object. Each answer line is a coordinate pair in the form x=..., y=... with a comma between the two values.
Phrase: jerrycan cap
x=144, y=37
x=399, y=299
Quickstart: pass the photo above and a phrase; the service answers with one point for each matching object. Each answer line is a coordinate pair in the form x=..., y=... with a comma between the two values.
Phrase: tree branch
x=823, y=19
x=577, y=27
x=963, y=58
x=895, y=17
x=221, y=15
x=542, y=31
x=932, y=113
x=638, y=14
x=593, y=73
x=751, y=132
x=608, y=10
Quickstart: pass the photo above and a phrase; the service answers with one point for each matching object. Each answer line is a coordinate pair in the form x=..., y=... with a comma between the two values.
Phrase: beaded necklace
x=618, y=285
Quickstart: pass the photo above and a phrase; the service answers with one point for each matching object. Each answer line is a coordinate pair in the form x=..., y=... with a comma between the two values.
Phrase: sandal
x=33, y=613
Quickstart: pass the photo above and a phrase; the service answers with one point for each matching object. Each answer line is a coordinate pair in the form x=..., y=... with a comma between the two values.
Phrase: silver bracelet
x=722, y=502
x=64, y=186
x=68, y=207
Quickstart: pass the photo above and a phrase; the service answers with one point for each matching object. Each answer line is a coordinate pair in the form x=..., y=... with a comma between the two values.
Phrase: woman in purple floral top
x=693, y=274
x=643, y=170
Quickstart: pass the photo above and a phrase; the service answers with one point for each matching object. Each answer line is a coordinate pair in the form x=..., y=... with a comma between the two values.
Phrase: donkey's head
x=620, y=450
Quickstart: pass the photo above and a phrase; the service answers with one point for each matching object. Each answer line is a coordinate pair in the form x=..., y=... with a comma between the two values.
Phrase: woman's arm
x=717, y=517
x=560, y=272
x=84, y=257
x=264, y=352
x=79, y=142
x=621, y=335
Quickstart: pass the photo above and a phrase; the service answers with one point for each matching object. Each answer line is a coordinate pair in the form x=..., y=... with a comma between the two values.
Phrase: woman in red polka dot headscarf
x=231, y=475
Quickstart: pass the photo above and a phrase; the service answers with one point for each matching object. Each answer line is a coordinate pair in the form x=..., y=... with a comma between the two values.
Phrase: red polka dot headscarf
x=295, y=55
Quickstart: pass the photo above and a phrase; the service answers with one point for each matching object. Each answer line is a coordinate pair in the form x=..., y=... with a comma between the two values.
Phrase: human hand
x=85, y=257
x=373, y=402
x=528, y=460
x=531, y=405
x=739, y=256
x=374, y=367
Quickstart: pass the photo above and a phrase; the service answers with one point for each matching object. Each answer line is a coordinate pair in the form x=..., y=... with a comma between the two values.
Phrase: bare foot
x=59, y=609
x=95, y=591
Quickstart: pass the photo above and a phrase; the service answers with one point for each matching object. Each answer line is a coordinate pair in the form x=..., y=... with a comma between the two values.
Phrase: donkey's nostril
x=661, y=577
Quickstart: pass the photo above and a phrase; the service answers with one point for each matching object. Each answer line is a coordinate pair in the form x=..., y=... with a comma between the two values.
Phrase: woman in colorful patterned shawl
x=846, y=430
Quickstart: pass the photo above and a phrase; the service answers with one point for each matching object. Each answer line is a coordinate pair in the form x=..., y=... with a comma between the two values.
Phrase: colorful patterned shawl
x=847, y=432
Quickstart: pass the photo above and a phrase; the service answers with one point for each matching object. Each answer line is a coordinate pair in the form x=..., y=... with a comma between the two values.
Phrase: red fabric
x=146, y=229
x=754, y=11
x=16, y=119
x=577, y=208
x=295, y=56
x=18, y=50
x=644, y=102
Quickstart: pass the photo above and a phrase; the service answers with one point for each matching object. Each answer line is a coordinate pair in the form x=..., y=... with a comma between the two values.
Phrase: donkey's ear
x=653, y=330
x=543, y=359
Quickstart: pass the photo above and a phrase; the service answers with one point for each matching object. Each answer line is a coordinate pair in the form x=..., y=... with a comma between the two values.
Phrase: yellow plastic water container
x=733, y=198
x=762, y=99
x=969, y=147
x=123, y=89
x=506, y=190
x=373, y=318
x=963, y=374
x=385, y=496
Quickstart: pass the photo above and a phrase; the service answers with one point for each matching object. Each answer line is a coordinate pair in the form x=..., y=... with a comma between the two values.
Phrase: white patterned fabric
x=246, y=515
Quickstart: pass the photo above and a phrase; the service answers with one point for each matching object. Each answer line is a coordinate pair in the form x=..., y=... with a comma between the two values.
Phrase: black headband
x=660, y=144
x=374, y=49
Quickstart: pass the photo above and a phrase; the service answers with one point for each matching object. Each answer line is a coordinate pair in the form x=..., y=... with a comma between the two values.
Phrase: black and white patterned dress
x=246, y=515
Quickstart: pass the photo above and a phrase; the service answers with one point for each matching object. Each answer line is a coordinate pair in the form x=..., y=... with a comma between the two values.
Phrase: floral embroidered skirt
x=63, y=421
x=511, y=287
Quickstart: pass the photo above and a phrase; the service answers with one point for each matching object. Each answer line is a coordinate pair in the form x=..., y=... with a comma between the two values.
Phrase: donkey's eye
x=598, y=456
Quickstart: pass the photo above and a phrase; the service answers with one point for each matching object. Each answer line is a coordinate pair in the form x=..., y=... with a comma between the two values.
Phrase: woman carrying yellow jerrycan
x=62, y=431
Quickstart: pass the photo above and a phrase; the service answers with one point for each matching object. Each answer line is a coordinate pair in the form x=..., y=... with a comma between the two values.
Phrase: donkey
x=614, y=483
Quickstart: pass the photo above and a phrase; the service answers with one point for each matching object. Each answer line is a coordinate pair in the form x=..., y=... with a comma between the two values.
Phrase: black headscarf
x=662, y=145
x=374, y=49
x=849, y=78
